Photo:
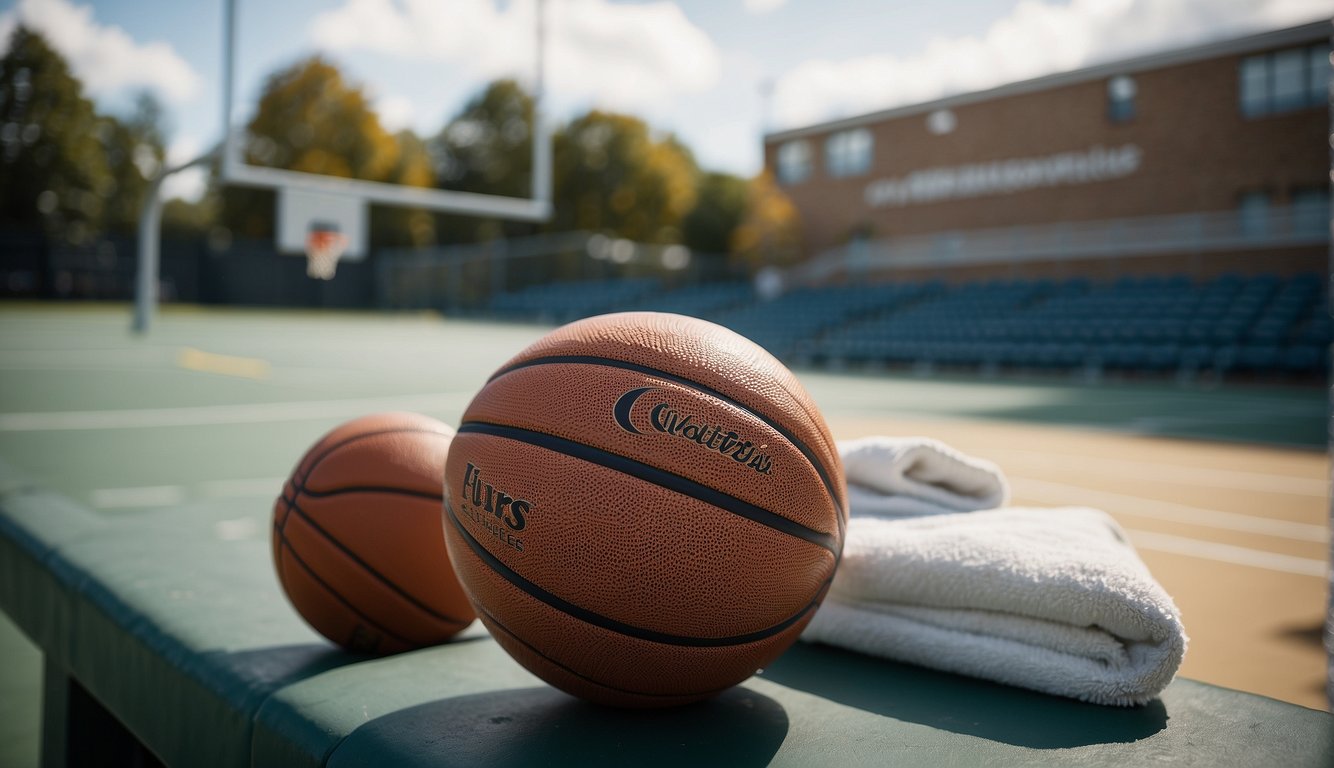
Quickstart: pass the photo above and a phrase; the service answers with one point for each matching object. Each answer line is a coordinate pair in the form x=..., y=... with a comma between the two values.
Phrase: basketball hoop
x=324, y=245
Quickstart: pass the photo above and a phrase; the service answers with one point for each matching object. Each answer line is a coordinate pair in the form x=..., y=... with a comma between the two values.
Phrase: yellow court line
x=193, y=359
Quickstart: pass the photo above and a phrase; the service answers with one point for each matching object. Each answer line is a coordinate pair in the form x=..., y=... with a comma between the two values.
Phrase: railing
x=1215, y=231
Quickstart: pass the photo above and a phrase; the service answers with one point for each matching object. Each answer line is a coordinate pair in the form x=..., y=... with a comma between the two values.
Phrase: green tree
x=488, y=147
x=720, y=205
x=136, y=151
x=770, y=231
x=53, y=168
x=310, y=118
x=611, y=174
x=396, y=226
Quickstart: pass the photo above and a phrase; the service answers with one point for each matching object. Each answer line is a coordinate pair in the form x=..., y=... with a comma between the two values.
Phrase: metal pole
x=146, y=267
x=541, y=134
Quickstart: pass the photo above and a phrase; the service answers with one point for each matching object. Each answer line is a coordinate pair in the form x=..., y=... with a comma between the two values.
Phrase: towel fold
x=1054, y=600
x=897, y=476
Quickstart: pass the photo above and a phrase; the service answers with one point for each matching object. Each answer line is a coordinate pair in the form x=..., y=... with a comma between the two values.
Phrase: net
x=323, y=249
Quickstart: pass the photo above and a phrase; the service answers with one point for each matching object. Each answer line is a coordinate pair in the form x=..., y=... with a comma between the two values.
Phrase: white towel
x=1054, y=600
x=897, y=476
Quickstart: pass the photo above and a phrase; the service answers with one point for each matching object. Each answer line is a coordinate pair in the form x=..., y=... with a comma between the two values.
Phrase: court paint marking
x=144, y=496
x=171, y=495
x=1227, y=553
x=1236, y=479
x=208, y=415
x=192, y=359
x=1137, y=506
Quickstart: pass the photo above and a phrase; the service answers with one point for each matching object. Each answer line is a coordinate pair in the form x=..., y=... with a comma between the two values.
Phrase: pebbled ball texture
x=357, y=541
x=644, y=508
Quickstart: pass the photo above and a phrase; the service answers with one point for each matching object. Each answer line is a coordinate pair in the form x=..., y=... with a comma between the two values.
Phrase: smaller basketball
x=357, y=538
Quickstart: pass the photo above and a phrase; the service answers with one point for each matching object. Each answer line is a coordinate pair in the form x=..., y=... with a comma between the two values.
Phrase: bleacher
x=1259, y=324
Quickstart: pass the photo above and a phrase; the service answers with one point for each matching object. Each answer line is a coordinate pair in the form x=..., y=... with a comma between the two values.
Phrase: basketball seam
x=700, y=387
x=296, y=558
x=586, y=678
x=315, y=462
x=370, y=570
x=657, y=476
x=426, y=495
x=605, y=622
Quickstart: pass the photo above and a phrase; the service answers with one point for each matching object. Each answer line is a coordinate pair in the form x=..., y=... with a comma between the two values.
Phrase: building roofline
x=1304, y=33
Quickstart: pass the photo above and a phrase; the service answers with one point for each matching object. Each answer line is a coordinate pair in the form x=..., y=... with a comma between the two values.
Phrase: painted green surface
x=116, y=423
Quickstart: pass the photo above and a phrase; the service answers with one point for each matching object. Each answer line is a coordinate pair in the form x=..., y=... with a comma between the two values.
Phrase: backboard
x=380, y=55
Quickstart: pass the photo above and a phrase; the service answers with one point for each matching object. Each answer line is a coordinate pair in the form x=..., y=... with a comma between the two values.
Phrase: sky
x=718, y=73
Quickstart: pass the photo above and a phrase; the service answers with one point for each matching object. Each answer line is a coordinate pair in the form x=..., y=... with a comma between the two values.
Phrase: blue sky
x=718, y=73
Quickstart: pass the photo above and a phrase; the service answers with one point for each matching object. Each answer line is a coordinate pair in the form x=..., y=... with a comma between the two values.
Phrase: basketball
x=357, y=541
x=644, y=508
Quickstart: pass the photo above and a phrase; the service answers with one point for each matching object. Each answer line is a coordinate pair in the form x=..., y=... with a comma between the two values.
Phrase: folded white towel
x=895, y=476
x=1054, y=600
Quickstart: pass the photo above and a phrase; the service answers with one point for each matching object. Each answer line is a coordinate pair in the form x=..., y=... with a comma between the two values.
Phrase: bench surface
x=174, y=621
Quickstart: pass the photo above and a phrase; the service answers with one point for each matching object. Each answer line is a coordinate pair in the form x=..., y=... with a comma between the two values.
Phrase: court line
x=1227, y=553
x=1137, y=506
x=1237, y=479
x=192, y=359
x=206, y=415
x=145, y=496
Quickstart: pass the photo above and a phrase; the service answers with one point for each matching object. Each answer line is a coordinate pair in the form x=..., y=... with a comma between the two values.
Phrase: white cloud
x=396, y=112
x=763, y=6
x=1036, y=38
x=629, y=57
x=104, y=57
x=191, y=183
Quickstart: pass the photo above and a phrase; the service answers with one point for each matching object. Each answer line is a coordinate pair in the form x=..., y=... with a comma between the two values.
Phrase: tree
x=53, y=166
x=770, y=230
x=136, y=150
x=310, y=119
x=487, y=148
x=720, y=205
x=610, y=174
x=406, y=226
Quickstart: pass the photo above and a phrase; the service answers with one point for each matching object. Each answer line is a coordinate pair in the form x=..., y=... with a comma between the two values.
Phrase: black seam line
x=706, y=389
x=501, y=625
x=311, y=572
x=605, y=622
x=373, y=489
x=315, y=462
x=660, y=477
x=301, y=513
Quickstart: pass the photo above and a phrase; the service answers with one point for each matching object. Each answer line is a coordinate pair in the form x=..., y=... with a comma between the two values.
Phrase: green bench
x=165, y=630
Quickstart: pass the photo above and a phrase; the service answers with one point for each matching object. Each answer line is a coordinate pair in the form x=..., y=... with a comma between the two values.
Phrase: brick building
x=1205, y=159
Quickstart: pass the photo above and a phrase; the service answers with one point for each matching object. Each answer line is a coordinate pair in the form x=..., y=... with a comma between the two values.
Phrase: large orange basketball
x=644, y=508
x=357, y=540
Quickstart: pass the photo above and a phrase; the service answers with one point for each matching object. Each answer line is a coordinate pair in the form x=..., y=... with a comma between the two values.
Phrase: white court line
x=205, y=415
x=1237, y=479
x=1059, y=493
x=1226, y=553
x=146, y=496
x=169, y=495
x=245, y=488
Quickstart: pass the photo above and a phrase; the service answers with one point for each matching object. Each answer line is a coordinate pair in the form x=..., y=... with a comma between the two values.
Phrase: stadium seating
x=1251, y=325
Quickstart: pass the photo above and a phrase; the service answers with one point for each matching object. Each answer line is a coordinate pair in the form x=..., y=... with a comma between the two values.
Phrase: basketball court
x=1223, y=491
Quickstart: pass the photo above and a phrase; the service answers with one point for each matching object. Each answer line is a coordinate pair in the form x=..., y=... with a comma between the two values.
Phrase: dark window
x=794, y=162
x=1121, y=92
x=1284, y=81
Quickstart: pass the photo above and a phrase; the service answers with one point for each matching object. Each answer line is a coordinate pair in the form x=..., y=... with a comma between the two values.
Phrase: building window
x=848, y=153
x=941, y=122
x=1284, y=81
x=1253, y=213
x=1121, y=92
x=1310, y=210
x=794, y=162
